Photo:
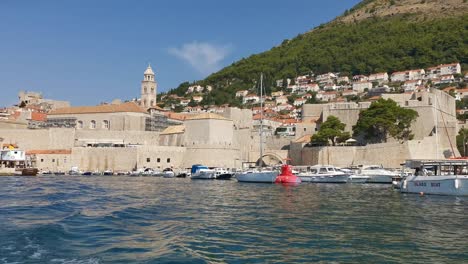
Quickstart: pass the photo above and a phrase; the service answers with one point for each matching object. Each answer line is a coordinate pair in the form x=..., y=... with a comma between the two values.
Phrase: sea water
x=124, y=219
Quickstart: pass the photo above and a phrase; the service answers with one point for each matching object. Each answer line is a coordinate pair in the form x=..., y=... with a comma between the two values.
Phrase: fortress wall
x=160, y=157
x=61, y=138
x=12, y=125
x=390, y=154
x=91, y=159
x=27, y=139
x=213, y=157
x=129, y=137
x=242, y=118
x=53, y=162
x=312, y=111
x=347, y=116
x=243, y=140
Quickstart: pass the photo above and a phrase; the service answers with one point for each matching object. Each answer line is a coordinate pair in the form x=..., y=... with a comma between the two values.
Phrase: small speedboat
x=222, y=174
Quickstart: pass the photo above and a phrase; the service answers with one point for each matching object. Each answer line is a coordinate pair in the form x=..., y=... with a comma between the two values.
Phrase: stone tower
x=148, y=89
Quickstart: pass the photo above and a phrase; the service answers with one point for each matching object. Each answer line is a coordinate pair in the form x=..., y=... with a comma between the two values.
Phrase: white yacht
x=353, y=178
x=322, y=174
x=202, y=172
x=377, y=174
x=444, y=177
x=257, y=175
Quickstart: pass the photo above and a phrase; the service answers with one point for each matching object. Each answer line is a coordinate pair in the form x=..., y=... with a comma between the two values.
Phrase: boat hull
x=384, y=179
x=440, y=185
x=324, y=178
x=204, y=175
x=357, y=179
x=257, y=177
x=224, y=176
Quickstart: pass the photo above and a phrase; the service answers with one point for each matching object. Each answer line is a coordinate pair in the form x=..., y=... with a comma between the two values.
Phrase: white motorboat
x=377, y=174
x=322, y=174
x=257, y=175
x=353, y=178
x=444, y=177
x=202, y=172
x=222, y=174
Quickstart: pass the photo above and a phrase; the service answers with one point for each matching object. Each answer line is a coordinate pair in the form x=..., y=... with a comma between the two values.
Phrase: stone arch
x=270, y=159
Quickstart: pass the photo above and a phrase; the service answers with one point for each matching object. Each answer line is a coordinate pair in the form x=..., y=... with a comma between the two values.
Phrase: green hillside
x=375, y=44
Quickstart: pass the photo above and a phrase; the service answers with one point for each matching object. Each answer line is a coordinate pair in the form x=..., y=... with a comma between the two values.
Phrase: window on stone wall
x=148, y=159
x=92, y=124
x=80, y=124
x=168, y=160
x=144, y=89
x=53, y=160
x=105, y=124
x=158, y=160
x=42, y=160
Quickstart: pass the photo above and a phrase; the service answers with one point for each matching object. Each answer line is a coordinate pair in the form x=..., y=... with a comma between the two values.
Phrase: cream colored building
x=149, y=89
x=113, y=117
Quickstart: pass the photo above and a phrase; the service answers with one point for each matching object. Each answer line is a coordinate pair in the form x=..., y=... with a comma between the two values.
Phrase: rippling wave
x=79, y=219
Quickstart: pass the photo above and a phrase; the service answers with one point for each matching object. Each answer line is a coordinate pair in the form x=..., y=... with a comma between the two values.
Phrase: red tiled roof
x=48, y=151
x=125, y=107
x=35, y=116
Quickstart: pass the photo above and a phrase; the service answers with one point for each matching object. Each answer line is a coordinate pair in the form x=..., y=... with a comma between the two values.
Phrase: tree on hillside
x=382, y=119
x=462, y=141
x=331, y=130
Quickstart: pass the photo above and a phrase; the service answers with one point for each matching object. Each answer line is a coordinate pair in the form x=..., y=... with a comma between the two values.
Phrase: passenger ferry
x=444, y=177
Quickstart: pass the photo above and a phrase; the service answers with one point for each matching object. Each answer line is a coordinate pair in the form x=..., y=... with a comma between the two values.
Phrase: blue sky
x=92, y=51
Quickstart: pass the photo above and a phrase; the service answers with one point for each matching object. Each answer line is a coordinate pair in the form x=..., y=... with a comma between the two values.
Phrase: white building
x=361, y=86
x=241, y=93
x=408, y=75
x=251, y=98
x=443, y=69
x=381, y=77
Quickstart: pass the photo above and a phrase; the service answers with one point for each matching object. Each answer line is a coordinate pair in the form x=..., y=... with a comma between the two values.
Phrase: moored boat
x=222, y=174
x=257, y=175
x=377, y=174
x=322, y=174
x=443, y=177
x=201, y=172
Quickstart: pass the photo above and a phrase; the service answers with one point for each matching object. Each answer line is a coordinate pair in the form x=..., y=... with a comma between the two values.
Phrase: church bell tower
x=148, y=89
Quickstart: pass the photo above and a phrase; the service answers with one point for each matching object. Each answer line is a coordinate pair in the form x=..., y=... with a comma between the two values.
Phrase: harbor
x=122, y=219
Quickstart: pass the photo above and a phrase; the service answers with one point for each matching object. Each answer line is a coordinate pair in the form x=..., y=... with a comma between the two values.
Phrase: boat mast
x=261, y=120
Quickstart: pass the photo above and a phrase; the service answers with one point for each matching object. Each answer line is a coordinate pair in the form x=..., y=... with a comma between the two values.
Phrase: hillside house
x=197, y=98
x=251, y=98
x=403, y=76
x=277, y=94
x=360, y=78
x=443, y=69
x=411, y=85
x=381, y=77
x=360, y=87
x=241, y=93
x=326, y=96
x=342, y=80
x=299, y=101
x=281, y=100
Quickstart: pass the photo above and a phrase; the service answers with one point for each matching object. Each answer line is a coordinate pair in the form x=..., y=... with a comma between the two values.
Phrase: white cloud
x=204, y=57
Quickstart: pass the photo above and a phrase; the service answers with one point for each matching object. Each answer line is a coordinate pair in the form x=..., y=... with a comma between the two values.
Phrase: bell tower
x=148, y=89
